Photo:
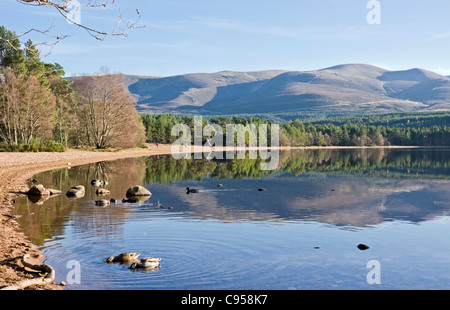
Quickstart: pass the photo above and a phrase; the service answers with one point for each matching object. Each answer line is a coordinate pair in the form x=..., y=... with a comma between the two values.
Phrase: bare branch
x=46, y=32
x=120, y=29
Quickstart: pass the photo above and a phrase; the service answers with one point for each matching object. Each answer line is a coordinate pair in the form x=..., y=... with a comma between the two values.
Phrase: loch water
x=300, y=232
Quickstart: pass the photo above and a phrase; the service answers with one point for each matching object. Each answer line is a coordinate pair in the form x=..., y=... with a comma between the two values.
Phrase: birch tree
x=26, y=108
x=107, y=112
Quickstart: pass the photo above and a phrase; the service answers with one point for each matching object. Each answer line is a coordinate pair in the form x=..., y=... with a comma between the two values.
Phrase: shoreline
x=17, y=168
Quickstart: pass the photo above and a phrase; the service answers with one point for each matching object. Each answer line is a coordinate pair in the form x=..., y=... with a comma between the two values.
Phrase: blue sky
x=187, y=36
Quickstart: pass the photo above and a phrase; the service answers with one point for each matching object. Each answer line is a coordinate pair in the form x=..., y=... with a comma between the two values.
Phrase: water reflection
x=347, y=188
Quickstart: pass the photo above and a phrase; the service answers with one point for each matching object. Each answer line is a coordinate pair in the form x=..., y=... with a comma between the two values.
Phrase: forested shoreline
x=320, y=133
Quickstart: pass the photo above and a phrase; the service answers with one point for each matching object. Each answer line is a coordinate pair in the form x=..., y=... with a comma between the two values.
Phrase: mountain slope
x=351, y=87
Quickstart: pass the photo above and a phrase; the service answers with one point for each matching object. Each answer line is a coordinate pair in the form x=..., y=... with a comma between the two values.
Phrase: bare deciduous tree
x=26, y=108
x=107, y=112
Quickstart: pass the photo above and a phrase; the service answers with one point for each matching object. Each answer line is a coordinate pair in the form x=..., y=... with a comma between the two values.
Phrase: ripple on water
x=194, y=256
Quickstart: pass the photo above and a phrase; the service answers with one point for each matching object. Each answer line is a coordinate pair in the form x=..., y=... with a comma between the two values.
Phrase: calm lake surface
x=302, y=232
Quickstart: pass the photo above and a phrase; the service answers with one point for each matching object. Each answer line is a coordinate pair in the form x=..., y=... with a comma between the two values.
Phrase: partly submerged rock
x=54, y=192
x=76, y=191
x=138, y=190
x=363, y=247
x=39, y=191
x=102, y=202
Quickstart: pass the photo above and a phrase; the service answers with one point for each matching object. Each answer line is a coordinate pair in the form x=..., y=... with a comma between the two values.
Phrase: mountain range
x=344, y=88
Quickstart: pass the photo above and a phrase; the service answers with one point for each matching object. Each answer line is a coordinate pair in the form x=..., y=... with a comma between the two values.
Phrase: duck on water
x=191, y=190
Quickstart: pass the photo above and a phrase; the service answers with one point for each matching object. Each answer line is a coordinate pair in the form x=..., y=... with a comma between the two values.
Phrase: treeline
x=297, y=133
x=158, y=127
x=395, y=119
x=403, y=119
x=42, y=111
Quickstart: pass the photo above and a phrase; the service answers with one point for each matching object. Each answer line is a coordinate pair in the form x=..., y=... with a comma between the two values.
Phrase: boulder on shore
x=76, y=191
x=138, y=190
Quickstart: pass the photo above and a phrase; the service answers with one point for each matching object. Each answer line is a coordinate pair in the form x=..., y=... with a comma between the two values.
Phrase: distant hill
x=344, y=88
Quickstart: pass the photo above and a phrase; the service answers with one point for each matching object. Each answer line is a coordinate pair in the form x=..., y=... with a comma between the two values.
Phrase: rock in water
x=38, y=190
x=54, y=192
x=76, y=191
x=138, y=191
x=102, y=202
x=102, y=191
x=363, y=247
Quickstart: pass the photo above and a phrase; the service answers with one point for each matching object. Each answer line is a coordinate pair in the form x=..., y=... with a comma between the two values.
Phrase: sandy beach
x=16, y=169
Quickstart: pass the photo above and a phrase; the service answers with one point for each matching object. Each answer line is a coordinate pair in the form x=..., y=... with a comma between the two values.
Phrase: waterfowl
x=191, y=190
x=261, y=189
x=147, y=262
x=124, y=258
